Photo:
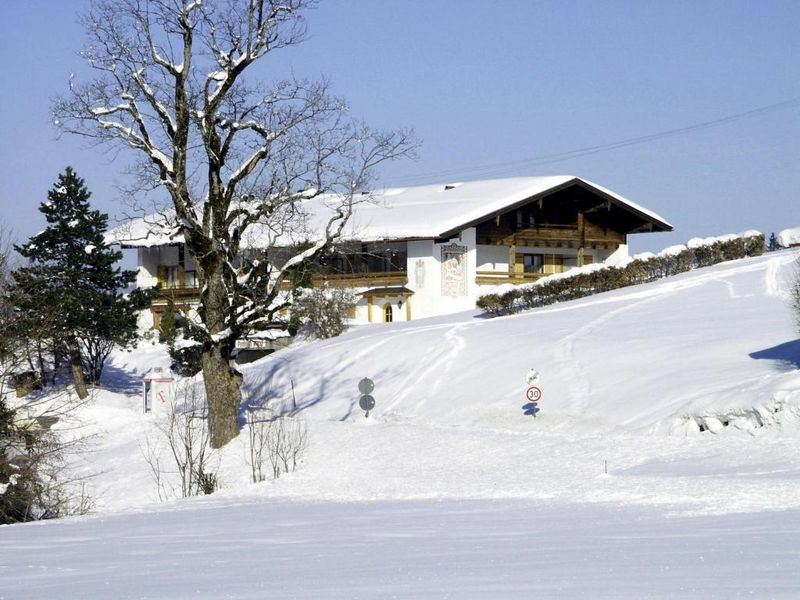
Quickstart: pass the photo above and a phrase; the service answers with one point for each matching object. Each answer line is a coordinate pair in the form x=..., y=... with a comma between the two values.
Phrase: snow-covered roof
x=421, y=212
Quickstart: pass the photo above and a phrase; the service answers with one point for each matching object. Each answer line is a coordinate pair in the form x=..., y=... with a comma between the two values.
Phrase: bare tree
x=236, y=156
x=184, y=431
x=277, y=438
x=258, y=424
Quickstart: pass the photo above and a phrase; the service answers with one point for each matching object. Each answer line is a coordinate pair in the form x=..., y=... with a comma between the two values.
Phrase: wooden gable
x=574, y=216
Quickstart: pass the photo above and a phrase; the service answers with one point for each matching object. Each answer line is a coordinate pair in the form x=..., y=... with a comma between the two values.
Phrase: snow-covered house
x=434, y=249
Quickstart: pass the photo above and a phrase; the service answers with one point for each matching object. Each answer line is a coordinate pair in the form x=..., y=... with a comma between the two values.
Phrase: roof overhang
x=399, y=290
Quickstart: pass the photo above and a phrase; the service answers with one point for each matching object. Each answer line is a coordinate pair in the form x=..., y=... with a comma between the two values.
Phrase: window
x=387, y=312
x=191, y=279
x=570, y=262
x=170, y=276
x=526, y=218
x=533, y=263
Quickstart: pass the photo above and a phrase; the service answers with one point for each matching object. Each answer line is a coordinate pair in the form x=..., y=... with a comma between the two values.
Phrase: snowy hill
x=664, y=462
x=654, y=380
x=648, y=358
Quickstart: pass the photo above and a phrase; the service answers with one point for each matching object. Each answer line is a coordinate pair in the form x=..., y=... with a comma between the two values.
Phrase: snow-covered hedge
x=642, y=268
x=789, y=237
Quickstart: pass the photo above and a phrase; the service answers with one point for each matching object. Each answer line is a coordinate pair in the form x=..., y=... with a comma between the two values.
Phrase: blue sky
x=489, y=85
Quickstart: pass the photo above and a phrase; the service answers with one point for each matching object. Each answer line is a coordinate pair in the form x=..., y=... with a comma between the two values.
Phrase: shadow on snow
x=787, y=355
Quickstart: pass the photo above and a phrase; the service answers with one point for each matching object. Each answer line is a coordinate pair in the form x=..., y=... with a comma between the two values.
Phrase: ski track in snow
x=441, y=361
x=580, y=386
x=772, y=280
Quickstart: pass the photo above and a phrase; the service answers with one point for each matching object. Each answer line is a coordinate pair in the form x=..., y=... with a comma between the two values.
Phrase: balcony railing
x=390, y=278
x=498, y=277
x=185, y=292
x=362, y=279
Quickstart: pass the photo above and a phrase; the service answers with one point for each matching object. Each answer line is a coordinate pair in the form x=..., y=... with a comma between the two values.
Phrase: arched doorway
x=388, y=316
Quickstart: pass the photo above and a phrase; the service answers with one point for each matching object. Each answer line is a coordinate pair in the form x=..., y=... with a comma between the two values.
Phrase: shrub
x=581, y=284
x=490, y=303
x=323, y=312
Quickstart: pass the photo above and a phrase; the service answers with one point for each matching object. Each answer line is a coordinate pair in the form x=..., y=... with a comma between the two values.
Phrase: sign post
x=533, y=393
x=366, y=402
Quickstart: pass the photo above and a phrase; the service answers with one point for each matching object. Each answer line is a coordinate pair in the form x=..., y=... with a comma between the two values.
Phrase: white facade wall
x=431, y=295
x=615, y=257
x=426, y=274
x=149, y=259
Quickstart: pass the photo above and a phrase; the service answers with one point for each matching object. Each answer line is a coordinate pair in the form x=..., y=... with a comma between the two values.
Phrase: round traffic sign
x=366, y=402
x=365, y=386
x=533, y=394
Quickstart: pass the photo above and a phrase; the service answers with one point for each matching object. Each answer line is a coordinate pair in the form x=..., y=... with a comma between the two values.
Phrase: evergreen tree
x=70, y=289
x=773, y=244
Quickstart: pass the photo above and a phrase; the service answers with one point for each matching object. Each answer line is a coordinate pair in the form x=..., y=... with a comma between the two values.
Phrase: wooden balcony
x=390, y=278
x=498, y=277
x=178, y=294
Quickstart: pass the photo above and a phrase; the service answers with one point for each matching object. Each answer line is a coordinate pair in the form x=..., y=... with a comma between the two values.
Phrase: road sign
x=365, y=386
x=533, y=394
x=366, y=402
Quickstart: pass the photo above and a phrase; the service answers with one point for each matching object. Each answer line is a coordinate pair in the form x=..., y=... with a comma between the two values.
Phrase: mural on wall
x=419, y=273
x=454, y=270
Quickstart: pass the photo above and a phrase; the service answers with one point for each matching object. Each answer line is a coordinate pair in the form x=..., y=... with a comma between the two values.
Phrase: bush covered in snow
x=323, y=312
x=593, y=279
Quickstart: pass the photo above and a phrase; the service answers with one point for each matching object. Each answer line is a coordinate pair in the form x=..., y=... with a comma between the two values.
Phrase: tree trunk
x=223, y=394
x=77, y=370
x=222, y=380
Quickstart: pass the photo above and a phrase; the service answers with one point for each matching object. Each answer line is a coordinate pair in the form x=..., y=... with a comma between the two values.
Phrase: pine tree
x=773, y=244
x=70, y=292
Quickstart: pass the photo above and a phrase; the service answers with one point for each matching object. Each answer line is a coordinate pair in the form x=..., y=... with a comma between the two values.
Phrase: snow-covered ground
x=687, y=391
x=458, y=549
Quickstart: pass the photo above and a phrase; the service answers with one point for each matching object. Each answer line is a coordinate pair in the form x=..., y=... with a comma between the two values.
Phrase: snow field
x=687, y=389
x=629, y=379
x=459, y=549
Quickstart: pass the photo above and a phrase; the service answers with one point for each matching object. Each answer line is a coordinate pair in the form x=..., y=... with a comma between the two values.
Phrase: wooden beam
x=581, y=236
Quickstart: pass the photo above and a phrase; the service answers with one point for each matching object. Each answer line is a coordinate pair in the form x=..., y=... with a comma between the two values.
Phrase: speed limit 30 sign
x=533, y=394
